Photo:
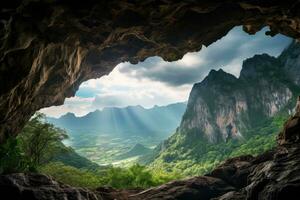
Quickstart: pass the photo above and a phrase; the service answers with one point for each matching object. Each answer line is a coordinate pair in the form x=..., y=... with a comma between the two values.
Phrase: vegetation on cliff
x=193, y=157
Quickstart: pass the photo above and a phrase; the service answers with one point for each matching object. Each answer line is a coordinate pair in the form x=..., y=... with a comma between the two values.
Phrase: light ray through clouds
x=157, y=82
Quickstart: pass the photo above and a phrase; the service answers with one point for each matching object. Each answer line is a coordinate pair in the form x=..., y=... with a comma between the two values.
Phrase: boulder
x=32, y=186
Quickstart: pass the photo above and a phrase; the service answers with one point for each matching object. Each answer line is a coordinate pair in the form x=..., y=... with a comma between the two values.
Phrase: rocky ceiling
x=49, y=47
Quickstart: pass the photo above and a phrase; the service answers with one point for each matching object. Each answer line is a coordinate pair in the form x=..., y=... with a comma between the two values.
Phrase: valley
x=105, y=136
x=106, y=150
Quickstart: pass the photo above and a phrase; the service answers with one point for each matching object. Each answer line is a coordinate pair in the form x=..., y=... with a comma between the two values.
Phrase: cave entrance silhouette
x=49, y=47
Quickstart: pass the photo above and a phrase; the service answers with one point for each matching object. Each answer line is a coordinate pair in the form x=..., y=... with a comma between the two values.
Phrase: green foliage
x=133, y=177
x=72, y=175
x=40, y=140
x=12, y=159
x=136, y=176
x=69, y=157
x=197, y=157
x=37, y=144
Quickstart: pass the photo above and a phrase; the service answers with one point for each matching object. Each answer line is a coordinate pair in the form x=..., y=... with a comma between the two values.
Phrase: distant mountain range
x=132, y=120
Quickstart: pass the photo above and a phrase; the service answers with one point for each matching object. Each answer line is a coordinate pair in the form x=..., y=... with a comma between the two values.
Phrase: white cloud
x=120, y=90
x=79, y=106
x=190, y=60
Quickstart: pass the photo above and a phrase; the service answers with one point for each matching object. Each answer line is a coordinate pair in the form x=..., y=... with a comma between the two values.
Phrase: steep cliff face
x=290, y=60
x=223, y=106
x=49, y=47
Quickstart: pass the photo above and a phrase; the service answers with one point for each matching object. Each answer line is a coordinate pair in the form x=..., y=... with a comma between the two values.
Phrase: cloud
x=147, y=98
x=78, y=105
x=119, y=90
x=227, y=53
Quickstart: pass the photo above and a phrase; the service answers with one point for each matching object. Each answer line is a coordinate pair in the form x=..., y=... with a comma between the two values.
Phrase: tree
x=40, y=140
x=12, y=159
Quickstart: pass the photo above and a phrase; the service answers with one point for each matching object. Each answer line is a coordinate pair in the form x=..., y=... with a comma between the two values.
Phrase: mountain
x=137, y=150
x=71, y=158
x=131, y=120
x=226, y=114
x=223, y=106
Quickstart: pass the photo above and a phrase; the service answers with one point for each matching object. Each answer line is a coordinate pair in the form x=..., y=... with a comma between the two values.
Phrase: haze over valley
x=103, y=136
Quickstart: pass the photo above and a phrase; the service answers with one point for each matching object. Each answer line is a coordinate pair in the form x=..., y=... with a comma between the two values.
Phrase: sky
x=157, y=82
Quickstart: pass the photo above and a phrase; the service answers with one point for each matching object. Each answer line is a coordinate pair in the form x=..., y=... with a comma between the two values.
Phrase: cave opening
x=124, y=118
x=46, y=55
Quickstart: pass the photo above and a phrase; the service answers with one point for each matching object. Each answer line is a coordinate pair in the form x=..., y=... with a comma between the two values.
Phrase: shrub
x=12, y=158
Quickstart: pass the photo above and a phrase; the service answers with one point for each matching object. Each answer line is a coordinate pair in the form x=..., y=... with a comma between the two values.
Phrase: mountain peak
x=138, y=147
x=214, y=72
x=258, y=66
x=135, y=107
x=215, y=77
x=68, y=115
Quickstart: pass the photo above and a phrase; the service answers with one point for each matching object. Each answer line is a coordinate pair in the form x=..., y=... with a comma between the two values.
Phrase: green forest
x=201, y=157
x=39, y=148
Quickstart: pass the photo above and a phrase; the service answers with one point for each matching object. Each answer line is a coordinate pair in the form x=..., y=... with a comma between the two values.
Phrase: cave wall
x=49, y=47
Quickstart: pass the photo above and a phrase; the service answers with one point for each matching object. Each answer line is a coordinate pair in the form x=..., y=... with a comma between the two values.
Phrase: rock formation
x=274, y=175
x=291, y=133
x=49, y=47
x=223, y=106
x=38, y=187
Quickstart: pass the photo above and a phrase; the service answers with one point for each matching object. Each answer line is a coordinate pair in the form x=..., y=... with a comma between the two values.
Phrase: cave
x=48, y=48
